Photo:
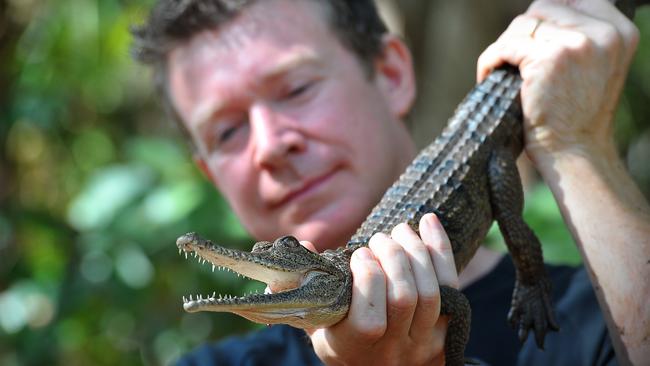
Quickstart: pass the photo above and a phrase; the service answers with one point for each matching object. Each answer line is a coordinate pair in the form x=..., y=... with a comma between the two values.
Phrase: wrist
x=584, y=172
x=598, y=158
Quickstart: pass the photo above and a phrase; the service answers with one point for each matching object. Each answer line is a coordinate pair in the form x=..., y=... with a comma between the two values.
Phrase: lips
x=303, y=189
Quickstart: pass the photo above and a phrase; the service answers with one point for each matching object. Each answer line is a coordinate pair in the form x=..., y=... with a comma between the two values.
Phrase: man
x=295, y=109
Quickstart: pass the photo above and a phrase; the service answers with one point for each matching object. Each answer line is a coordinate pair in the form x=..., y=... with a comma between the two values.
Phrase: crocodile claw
x=531, y=309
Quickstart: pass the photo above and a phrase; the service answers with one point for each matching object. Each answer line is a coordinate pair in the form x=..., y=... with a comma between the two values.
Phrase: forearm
x=610, y=221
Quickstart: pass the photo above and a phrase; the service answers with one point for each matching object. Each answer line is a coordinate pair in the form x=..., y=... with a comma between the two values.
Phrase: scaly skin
x=311, y=290
x=467, y=177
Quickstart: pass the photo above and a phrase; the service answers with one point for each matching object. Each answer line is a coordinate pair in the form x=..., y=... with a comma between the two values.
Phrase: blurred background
x=96, y=184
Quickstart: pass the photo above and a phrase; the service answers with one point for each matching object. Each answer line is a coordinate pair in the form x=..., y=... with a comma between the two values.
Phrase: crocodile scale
x=469, y=179
x=438, y=179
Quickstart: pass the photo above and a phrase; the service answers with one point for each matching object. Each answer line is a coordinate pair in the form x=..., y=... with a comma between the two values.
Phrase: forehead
x=268, y=29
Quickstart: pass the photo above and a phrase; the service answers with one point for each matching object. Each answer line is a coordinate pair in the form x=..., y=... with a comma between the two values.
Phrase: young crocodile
x=467, y=177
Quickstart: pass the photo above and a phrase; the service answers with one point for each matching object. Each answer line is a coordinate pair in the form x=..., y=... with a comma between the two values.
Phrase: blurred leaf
x=108, y=191
x=95, y=186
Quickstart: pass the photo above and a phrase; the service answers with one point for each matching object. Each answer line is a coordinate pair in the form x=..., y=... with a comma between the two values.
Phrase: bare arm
x=610, y=221
x=574, y=65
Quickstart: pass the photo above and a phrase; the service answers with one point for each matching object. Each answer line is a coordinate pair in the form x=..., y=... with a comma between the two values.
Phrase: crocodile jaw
x=294, y=307
x=305, y=294
x=276, y=277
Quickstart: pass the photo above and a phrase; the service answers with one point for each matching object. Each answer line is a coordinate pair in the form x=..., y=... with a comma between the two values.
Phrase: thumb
x=309, y=245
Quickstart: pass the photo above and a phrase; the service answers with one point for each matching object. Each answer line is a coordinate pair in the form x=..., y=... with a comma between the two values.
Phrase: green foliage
x=98, y=189
x=95, y=188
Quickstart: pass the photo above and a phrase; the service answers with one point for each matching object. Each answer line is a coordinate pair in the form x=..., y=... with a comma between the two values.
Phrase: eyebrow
x=295, y=59
x=292, y=61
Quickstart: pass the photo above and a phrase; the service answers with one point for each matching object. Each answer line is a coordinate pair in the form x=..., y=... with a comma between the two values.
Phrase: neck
x=480, y=265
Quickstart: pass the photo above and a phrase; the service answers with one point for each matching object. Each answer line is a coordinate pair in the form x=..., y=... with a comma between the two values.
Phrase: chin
x=324, y=234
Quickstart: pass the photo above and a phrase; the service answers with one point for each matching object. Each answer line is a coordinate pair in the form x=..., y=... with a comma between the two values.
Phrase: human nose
x=274, y=137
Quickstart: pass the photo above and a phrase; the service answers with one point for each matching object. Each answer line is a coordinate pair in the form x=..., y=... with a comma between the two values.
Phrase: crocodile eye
x=287, y=242
x=261, y=246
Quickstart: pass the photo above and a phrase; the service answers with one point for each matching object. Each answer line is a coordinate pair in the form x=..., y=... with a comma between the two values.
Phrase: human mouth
x=305, y=189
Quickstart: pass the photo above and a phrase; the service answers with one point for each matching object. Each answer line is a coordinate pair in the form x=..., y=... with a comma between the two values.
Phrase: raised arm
x=574, y=60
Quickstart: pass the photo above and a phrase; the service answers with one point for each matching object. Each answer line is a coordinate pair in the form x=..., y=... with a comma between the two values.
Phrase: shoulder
x=275, y=345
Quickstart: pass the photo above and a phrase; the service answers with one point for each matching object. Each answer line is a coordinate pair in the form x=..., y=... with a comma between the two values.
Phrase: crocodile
x=467, y=177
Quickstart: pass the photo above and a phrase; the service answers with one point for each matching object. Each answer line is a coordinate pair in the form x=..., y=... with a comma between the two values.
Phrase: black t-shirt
x=582, y=339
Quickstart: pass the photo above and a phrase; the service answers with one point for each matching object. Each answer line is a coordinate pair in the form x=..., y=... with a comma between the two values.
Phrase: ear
x=395, y=76
x=204, y=168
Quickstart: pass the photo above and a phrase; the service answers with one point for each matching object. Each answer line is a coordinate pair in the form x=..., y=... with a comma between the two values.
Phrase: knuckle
x=371, y=330
x=558, y=57
x=629, y=40
x=441, y=246
x=484, y=56
x=404, y=301
x=367, y=272
x=536, y=9
x=612, y=39
x=419, y=251
x=579, y=42
x=520, y=20
x=429, y=299
x=386, y=248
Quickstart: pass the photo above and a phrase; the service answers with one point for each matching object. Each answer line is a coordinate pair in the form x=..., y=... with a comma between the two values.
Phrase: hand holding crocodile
x=573, y=70
x=394, y=316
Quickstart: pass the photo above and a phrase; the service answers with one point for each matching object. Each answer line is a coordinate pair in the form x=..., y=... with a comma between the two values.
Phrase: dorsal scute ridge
x=443, y=164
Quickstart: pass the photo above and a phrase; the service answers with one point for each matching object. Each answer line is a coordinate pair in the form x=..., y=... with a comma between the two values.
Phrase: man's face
x=287, y=124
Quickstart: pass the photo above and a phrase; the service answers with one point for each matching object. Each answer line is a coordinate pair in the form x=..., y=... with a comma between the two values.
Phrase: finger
x=602, y=10
x=547, y=49
x=434, y=237
x=427, y=309
x=601, y=30
x=512, y=47
x=309, y=245
x=605, y=26
x=401, y=289
x=366, y=320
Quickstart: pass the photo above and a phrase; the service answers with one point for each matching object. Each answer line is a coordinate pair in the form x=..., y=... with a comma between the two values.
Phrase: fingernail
x=364, y=254
x=431, y=222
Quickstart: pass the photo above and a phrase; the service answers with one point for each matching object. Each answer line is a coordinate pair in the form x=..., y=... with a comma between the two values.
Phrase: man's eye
x=217, y=136
x=226, y=134
x=296, y=92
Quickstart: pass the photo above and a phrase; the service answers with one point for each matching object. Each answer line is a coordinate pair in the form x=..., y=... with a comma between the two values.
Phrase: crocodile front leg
x=531, y=304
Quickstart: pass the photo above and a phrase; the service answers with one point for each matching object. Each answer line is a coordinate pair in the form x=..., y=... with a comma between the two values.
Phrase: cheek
x=235, y=182
x=343, y=124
